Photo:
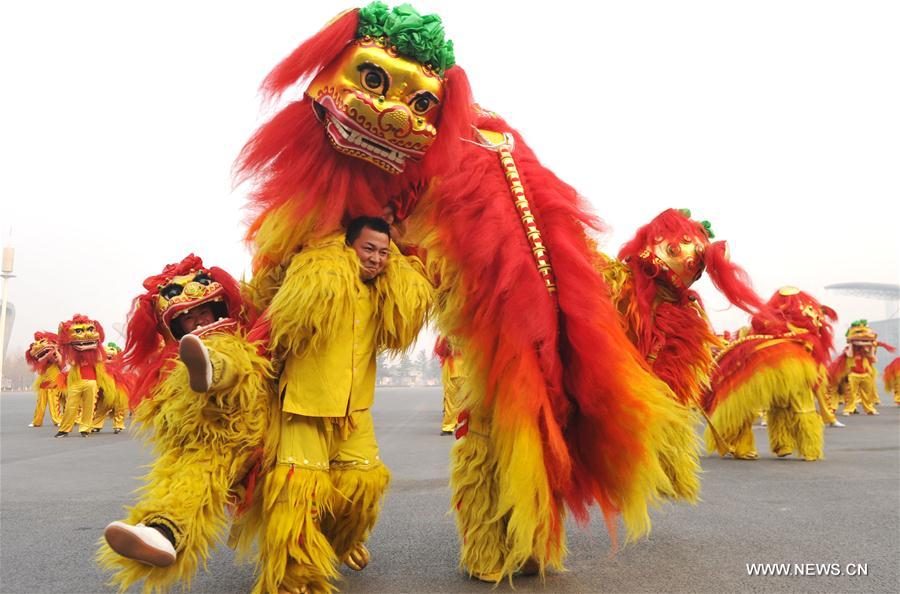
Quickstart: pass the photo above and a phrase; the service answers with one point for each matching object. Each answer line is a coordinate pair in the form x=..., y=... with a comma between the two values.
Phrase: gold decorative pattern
x=529, y=225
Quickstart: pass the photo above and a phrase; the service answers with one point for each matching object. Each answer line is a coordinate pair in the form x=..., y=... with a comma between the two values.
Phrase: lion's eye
x=170, y=291
x=373, y=78
x=423, y=102
x=202, y=278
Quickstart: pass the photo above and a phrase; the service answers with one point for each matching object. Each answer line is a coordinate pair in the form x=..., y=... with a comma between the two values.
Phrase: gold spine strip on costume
x=529, y=225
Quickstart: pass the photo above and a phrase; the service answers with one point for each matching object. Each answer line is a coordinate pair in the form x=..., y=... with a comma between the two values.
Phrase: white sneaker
x=31, y=424
x=836, y=424
x=141, y=543
x=195, y=356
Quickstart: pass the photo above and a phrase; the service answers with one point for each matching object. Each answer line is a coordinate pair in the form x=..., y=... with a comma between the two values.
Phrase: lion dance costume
x=88, y=382
x=892, y=379
x=560, y=409
x=43, y=358
x=322, y=494
x=779, y=366
x=665, y=319
x=203, y=442
x=853, y=373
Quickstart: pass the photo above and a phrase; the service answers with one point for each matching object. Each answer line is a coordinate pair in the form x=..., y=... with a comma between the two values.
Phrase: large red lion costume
x=561, y=410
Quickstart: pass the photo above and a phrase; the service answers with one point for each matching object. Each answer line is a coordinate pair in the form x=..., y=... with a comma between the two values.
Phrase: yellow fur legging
x=499, y=537
x=47, y=397
x=204, y=443
x=793, y=426
x=187, y=491
x=320, y=501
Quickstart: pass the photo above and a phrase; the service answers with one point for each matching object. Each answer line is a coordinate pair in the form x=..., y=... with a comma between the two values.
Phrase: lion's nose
x=398, y=119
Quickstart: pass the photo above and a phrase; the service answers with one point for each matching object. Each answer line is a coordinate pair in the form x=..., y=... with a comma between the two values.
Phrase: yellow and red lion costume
x=778, y=366
x=203, y=442
x=853, y=373
x=665, y=319
x=561, y=410
x=651, y=288
x=81, y=345
x=43, y=358
x=892, y=379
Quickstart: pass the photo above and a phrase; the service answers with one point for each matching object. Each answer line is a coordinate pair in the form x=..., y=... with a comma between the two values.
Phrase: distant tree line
x=420, y=369
x=16, y=373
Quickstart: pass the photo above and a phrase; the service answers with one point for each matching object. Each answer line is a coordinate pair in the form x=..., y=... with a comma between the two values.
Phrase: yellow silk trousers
x=860, y=390
x=81, y=394
x=45, y=397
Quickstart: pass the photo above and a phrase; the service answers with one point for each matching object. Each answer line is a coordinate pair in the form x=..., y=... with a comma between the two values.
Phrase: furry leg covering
x=203, y=442
x=795, y=425
x=188, y=492
x=492, y=543
x=293, y=552
x=356, y=503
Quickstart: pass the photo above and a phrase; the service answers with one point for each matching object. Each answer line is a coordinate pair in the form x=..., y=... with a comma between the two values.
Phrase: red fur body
x=562, y=359
x=787, y=311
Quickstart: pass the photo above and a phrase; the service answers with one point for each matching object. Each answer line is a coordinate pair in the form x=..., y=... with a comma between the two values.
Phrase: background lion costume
x=779, y=367
x=44, y=359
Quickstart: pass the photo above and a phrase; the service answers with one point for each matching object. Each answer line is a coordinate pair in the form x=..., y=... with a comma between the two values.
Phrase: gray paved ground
x=57, y=495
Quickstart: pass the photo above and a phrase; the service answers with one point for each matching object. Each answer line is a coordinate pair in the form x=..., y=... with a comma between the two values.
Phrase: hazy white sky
x=777, y=121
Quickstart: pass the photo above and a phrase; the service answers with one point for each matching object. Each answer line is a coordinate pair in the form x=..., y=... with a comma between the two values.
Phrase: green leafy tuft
x=420, y=37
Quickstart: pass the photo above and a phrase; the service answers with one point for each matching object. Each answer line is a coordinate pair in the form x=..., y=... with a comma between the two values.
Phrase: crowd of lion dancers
x=384, y=199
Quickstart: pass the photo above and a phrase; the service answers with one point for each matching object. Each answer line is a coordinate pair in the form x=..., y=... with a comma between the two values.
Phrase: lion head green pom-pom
x=420, y=37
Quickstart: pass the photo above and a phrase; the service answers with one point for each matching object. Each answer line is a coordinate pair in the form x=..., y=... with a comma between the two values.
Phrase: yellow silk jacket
x=328, y=325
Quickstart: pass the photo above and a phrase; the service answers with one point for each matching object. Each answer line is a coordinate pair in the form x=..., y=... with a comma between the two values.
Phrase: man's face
x=202, y=315
x=373, y=248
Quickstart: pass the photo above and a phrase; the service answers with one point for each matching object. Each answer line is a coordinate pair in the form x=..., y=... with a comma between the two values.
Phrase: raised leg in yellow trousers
x=81, y=395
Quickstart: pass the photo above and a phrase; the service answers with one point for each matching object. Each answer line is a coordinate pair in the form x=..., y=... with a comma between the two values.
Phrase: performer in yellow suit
x=44, y=359
x=343, y=299
x=856, y=367
x=452, y=380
